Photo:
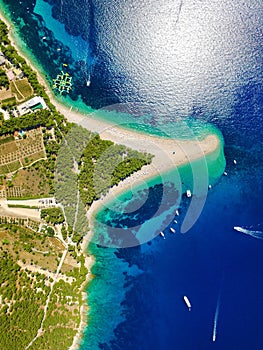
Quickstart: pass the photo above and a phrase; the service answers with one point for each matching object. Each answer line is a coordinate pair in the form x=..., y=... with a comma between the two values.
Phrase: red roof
x=10, y=75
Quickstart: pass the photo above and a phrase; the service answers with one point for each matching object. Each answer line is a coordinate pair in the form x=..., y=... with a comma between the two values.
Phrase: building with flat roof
x=32, y=105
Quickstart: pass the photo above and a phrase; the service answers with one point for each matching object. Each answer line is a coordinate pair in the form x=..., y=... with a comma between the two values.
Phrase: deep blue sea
x=191, y=59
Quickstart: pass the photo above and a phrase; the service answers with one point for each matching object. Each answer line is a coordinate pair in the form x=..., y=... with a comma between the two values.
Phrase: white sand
x=162, y=149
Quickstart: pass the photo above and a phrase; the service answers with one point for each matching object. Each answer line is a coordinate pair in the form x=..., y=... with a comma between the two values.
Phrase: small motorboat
x=162, y=234
x=188, y=193
x=88, y=81
x=187, y=302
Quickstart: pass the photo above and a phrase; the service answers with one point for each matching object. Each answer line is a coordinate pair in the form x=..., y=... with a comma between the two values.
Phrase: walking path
x=40, y=330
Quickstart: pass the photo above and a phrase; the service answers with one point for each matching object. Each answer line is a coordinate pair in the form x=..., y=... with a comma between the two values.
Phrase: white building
x=32, y=105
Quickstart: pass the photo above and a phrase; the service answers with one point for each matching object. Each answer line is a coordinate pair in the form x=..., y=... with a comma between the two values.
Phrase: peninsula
x=43, y=249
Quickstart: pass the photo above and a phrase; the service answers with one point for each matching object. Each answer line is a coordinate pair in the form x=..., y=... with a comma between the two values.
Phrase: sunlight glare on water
x=179, y=53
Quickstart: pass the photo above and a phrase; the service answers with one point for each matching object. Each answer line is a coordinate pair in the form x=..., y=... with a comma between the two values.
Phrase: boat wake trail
x=253, y=233
x=177, y=17
x=217, y=313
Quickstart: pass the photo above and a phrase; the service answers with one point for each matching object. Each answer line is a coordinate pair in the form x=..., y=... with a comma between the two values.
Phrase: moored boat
x=162, y=234
x=188, y=193
x=187, y=302
x=88, y=81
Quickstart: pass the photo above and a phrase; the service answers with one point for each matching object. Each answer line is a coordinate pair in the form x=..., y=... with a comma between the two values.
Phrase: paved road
x=41, y=202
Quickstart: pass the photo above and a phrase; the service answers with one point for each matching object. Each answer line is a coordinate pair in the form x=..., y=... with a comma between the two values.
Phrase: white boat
x=239, y=229
x=162, y=234
x=209, y=187
x=187, y=302
x=177, y=212
x=172, y=229
x=44, y=38
x=234, y=161
x=88, y=81
x=188, y=193
x=251, y=233
x=225, y=173
x=175, y=221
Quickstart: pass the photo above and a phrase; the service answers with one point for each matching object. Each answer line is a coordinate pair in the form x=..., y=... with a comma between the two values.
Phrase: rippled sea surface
x=196, y=60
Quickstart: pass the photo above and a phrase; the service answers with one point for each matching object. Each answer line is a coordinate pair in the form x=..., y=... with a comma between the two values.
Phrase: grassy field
x=31, y=182
x=4, y=169
x=32, y=158
x=24, y=87
x=6, y=139
x=13, y=166
x=32, y=248
x=8, y=147
x=9, y=100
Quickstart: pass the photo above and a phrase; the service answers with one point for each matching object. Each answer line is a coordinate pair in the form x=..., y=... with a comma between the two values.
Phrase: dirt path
x=18, y=92
x=40, y=330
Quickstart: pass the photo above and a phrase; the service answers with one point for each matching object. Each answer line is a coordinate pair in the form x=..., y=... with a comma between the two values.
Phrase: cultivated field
x=20, y=153
x=29, y=182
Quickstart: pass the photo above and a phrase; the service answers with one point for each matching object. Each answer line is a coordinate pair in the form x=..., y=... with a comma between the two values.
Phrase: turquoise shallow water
x=113, y=269
x=79, y=47
x=171, y=186
x=191, y=60
x=109, y=296
x=136, y=115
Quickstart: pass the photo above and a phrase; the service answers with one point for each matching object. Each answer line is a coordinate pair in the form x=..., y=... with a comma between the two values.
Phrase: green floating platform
x=62, y=83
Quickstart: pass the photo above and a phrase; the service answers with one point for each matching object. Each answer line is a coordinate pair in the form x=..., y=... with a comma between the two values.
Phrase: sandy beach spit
x=168, y=154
